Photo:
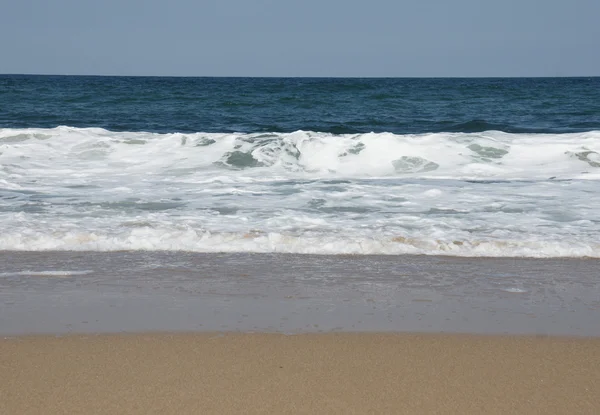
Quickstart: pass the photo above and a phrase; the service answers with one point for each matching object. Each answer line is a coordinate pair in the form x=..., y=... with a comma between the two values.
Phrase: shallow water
x=61, y=292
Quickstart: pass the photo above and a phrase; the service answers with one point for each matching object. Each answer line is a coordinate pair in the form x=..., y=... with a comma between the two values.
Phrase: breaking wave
x=489, y=154
x=485, y=193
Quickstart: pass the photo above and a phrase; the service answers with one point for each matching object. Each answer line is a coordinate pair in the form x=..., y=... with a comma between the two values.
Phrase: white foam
x=147, y=238
x=515, y=290
x=479, y=194
x=92, y=152
x=44, y=273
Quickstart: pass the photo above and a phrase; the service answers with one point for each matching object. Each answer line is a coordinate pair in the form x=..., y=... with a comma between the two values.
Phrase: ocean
x=276, y=171
x=468, y=167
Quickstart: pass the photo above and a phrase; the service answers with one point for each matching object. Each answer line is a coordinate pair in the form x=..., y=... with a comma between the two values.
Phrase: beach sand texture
x=263, y=373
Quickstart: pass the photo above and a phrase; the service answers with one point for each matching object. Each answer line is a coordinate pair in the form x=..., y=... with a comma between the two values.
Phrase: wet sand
x=332, y=373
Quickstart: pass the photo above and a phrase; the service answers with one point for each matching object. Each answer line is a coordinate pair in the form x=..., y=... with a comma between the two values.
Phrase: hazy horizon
x=297, y=77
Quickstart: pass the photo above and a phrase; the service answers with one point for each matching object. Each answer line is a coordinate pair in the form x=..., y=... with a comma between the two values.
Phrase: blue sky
x=301, y=38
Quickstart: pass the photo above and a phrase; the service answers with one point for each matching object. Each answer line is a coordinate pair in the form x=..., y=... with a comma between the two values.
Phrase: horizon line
x=306, y=76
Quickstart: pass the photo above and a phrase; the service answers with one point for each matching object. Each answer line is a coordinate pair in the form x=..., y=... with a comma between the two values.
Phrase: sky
x=338, y=38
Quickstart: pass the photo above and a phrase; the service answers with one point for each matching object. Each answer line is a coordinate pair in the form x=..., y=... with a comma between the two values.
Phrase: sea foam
x=490, y=154
x=465, y=194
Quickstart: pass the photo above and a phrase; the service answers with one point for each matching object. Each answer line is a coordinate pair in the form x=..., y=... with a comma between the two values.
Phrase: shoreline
x=224, y=373
x=92, y=292
x=315, y=333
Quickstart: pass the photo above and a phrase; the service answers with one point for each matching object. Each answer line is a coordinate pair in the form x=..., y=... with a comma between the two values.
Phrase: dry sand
x=309, y=373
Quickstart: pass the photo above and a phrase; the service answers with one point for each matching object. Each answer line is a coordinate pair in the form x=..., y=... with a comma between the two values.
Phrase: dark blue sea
x=328, y=105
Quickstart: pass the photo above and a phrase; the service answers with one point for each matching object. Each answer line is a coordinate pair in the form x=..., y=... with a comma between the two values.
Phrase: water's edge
x=91, y=292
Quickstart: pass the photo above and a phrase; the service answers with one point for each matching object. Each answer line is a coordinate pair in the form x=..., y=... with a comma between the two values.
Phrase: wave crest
x=444, y=155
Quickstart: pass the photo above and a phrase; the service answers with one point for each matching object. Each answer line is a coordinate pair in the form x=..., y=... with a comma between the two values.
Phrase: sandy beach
x=308, y=373
x=187, y=333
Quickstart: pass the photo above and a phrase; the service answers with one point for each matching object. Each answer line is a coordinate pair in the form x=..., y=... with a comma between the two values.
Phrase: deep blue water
x=335, y=105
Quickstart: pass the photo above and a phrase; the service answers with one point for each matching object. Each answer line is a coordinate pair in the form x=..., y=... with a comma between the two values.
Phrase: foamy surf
x=97, y=153
x=53, y=273
x=462, y=194
x=148, y=239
